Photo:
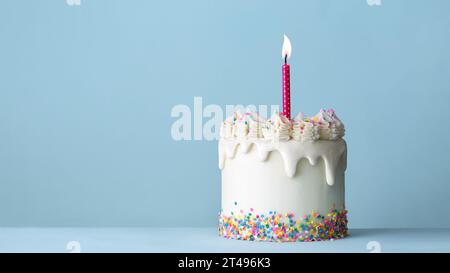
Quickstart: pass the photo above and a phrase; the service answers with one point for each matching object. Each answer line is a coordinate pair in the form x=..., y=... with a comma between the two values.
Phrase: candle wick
x=285, y=59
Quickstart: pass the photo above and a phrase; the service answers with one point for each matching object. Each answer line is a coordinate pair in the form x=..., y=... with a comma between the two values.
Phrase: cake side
x=283, y=180
x=261, y=202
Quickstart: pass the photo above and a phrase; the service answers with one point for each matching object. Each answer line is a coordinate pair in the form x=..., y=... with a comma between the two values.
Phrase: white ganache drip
x=331, y=151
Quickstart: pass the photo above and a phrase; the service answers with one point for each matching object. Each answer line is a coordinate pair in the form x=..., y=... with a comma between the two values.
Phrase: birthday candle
x=286, y=53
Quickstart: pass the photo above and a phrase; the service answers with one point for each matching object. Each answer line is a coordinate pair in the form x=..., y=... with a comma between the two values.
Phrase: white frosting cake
x=283, y=180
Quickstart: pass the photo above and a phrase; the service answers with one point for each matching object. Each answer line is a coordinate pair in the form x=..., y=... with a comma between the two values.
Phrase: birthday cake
x=282, y=178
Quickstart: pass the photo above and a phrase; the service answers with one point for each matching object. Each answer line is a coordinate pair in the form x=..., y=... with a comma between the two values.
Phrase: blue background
x=86, y=94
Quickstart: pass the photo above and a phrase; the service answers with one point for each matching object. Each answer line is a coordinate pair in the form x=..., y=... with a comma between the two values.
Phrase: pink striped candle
x=286, y=53
x=286, y=91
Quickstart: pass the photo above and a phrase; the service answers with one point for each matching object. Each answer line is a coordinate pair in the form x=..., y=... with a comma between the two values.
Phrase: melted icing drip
x=292, y=152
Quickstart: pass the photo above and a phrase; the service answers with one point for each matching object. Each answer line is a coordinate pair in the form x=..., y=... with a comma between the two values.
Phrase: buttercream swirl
x=242, y=126
x=325, y=125
x=227, y=129
x=277, y=128
x=304, y=130
x=330, y=126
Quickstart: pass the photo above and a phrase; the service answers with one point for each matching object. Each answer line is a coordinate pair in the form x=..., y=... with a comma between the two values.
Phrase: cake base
x=284, y=227
x=287, y=191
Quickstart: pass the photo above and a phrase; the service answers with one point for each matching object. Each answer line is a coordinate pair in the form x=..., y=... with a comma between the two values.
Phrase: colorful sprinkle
x=282, y=227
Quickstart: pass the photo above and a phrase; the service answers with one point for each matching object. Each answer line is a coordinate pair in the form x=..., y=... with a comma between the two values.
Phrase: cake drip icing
x=332, y=152
x=323, y=126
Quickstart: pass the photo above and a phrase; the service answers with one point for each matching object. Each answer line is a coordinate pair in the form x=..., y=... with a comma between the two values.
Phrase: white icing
x=330, y=126
x=304, y=130
x=277, y=128
x=242, y=126
x=255, y=124
x=291, y=152
x=228, y=128
x=248, y=183
x=325, y=126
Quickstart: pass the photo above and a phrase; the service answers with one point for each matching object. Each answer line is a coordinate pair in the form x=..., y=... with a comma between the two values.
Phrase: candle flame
x=286, y=51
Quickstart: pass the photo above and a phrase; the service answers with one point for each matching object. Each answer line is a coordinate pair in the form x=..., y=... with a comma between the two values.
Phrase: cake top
x=325, y=125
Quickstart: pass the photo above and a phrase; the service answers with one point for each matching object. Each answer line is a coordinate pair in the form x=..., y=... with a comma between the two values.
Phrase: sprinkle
x=283, y=227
